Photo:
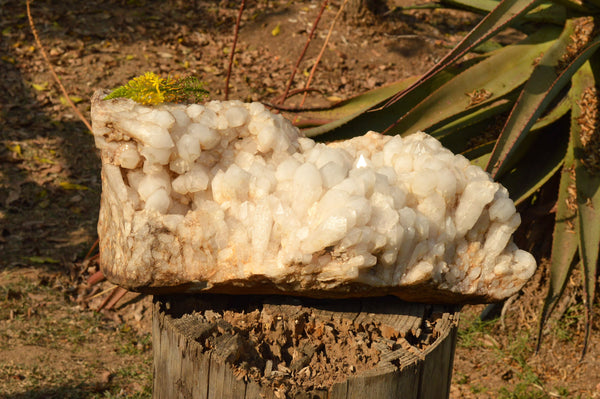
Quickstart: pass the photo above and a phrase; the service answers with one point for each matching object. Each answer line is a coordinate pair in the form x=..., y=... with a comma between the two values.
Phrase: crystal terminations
x=228, y=197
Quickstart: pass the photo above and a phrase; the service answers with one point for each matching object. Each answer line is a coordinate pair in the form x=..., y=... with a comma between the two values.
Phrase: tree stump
x=224, y=346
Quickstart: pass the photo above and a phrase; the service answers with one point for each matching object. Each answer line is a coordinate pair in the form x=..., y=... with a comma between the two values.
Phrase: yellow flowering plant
x=151, y=89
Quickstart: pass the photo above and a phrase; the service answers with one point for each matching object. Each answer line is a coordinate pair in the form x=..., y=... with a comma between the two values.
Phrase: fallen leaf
x=41, y=259
x=75, y=100
x=14, y=148
x=8, y=59
x=40, y=87
x=72, y=186
x=276, y=30
x=44, y=160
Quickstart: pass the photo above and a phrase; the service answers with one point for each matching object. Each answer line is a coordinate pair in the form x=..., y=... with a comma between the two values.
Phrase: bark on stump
x=205, y=347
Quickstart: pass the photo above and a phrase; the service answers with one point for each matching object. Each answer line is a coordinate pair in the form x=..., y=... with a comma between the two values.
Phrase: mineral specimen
x=229, y=197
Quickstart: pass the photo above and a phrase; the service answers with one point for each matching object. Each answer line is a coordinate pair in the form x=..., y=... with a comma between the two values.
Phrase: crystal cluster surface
x=229, y=197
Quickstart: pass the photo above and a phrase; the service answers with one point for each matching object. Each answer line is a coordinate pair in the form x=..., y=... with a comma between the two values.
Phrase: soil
x=54, y=342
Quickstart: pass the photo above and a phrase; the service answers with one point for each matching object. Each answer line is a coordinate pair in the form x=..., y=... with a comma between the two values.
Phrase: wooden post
x=205, y=347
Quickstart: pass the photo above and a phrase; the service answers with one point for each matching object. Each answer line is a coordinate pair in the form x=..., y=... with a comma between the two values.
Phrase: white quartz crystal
x=230, y=197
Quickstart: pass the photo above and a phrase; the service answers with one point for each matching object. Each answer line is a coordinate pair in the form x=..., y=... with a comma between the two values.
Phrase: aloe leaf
x=471, y=119
x=499, y=18
x=482, y=159
x=547, y=13
x=564, y=238
x=487, y=47
x=545, y=82
x=480, y=81
x=463, y=139
x=543, y=13
x=354, y=105
x=362, y=121
x=588, y=198
x=480, y=153
x=460, y=122
x=587, y=183
x=573, y=5
x=561, y=109
x=478, y=6
x=456, y=134
x=532, y=172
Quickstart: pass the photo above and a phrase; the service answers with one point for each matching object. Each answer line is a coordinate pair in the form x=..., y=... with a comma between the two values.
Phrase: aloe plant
x=542, y=88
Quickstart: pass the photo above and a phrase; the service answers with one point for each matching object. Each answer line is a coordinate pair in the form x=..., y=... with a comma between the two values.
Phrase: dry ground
x=52, y=343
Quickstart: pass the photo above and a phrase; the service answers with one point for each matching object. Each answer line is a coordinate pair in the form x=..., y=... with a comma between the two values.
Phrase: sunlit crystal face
x=239, y=187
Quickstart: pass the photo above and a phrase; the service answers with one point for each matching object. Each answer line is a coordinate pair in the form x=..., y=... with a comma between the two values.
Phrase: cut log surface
x=226, y=346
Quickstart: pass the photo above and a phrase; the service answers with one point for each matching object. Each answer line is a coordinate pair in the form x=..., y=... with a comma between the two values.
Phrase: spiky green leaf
x=376, y=118
x=552, y=13
x=587, y=180
x=547, y=79
x=456, y=134
x=574, y=5
x=542, y=13
x=479, y=84
x=505, y=13
x=564, y=238
x=533, y=171
x=479, y=6
x=566, y=228
x=480, y=153
x=349, y=108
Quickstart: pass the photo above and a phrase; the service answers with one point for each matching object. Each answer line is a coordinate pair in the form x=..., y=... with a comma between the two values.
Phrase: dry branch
x=314, y=68
x=54, y=75
x=310, y=36
x=235, y=37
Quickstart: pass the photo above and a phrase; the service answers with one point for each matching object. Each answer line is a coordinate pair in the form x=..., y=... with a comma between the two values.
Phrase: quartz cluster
x=229, y=197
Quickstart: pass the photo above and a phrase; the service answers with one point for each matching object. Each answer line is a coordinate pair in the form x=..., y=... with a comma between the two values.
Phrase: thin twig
x=56, y=78
x=87, y=257
x=235, y=37
x=96, y=278
x=294, y=108
x=312, y=71
x=300, y=91
x=310, y=36
x=114, y=287
x=114, y=298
